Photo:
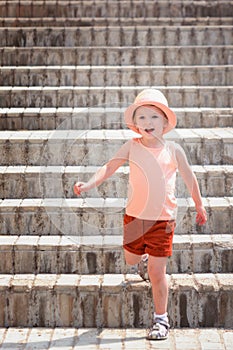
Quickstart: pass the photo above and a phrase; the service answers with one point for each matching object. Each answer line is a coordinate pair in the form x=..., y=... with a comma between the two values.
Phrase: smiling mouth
x=149, y=131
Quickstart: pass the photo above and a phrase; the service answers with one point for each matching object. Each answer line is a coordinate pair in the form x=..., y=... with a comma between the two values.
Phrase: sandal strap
x=162, y=322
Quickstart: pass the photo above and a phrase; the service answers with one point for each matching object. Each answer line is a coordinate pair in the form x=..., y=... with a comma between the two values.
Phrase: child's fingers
x=77, y=189
x=201, y=218
x=198, y=220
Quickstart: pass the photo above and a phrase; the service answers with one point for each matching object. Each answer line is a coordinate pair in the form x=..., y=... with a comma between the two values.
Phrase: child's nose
x=149, y=122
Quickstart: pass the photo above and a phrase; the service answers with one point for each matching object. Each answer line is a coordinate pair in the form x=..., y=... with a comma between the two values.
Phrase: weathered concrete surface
x=91, y=54
x=105, y=55
x=95, y=147
x=108, y=9
x=103, y=118
x=117, y=36
x=84, y=96
x=96, y=254
x=51, y=181
x=117, y=75
x=112, y=300
x=97, y=216
x=118, y=338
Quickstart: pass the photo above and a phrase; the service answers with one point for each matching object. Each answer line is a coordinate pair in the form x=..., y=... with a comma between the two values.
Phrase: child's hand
x=201, y=217
x=80, y=187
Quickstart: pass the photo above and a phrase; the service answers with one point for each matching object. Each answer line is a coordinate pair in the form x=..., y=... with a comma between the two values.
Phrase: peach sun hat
x=150, y=97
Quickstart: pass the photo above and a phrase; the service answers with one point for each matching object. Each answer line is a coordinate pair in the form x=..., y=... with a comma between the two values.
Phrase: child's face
x=150, y=121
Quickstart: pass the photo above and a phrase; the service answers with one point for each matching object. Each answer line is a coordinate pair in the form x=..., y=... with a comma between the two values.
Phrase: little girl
x=149, y=220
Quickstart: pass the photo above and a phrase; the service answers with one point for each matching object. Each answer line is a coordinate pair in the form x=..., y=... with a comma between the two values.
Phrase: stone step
x=103, y=118
x=49, y=300
x=99, y=216
x=131, y=9
x=112, y=96
x=117, y=76
x=111, y=21
x=112, y=338
x=116, y=36
x=106, y=55
x=101, y=255
x=96, y=147
x=52, y=182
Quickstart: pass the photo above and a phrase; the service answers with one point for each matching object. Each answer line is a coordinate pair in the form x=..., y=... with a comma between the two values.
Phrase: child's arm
x=191, y=182
x=105, y=171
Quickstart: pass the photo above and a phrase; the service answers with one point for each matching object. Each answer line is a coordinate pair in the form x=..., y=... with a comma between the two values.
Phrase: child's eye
x=141, y=117
x=154, y=116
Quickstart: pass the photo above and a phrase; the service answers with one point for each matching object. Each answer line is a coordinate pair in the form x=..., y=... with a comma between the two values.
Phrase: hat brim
x=129, y=112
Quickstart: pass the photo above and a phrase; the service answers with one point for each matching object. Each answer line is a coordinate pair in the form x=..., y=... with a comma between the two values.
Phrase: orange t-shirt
x=152, y=181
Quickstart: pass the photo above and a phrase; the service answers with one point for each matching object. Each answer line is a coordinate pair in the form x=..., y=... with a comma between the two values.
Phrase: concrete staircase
x=68, y=70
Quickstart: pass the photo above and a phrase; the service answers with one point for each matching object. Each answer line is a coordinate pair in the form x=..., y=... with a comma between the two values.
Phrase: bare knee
x=156, y=276
x=157, y=269
x=130, y=258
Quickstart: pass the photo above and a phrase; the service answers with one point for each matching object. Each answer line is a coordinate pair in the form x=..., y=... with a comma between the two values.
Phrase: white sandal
x=159, y=330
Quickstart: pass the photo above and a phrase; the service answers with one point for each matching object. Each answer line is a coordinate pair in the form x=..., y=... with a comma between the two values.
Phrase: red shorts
x=148, y=236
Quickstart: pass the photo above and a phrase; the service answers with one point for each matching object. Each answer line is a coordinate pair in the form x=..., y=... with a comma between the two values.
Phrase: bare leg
x=157, y=273
x=130, y=258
